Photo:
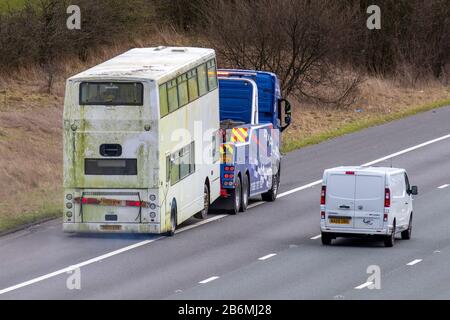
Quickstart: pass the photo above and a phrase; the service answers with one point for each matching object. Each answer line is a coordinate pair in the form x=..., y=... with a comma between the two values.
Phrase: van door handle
x=344, y=207
x=406, y=202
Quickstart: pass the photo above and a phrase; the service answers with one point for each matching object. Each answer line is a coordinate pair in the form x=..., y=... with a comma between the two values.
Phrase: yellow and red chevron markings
x=239, y=134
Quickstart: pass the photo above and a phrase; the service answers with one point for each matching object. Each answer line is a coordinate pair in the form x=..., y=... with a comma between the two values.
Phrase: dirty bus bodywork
x=140, y=142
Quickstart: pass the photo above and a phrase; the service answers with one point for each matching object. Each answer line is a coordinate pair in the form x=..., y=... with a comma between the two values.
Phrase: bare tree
x=294, y=39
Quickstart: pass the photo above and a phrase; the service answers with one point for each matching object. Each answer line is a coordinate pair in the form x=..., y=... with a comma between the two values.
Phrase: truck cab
x=251, y=119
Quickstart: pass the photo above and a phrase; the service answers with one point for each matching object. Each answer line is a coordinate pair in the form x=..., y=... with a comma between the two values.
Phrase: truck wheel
x=406, y=235
x=173, y=220
x=326, y=239
x=271, y=195
x=236, y=198
x=390, y=240
x=204, y=213
x=245, y=193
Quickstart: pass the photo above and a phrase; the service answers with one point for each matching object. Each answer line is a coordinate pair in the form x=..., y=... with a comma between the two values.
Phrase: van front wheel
x=406, y=235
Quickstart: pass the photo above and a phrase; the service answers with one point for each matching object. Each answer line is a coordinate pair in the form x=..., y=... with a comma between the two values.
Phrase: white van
x=366, y=201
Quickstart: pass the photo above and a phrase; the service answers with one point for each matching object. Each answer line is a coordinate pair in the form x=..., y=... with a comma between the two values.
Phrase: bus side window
x=172, y=94
x=183, y=94
x=212, y=75
x=185, y=159
x=202, y=80
x=164, y=107
x=175, y=169
x=192, y=84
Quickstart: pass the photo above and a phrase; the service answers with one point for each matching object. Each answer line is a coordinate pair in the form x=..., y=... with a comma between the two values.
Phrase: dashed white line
x=267, y=257
x=444, y=186
x=316, y=237
x=414, y=262
x=209, y=280
x=364, y=285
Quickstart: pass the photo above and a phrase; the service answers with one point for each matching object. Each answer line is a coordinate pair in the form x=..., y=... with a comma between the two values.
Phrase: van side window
x=202, y=80
x=172, y=94
x=164, y=107
x=212, y=75
x=183, y=94
x=192, y=84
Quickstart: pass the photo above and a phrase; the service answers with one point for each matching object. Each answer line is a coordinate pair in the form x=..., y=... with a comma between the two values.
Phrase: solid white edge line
x=209, y=280
x=444, y=186
x=316, y=237
x=139, y=244
x=267, y=257
x=364, y=285
x=192, y=226
x=414, y=262
x=79, y=265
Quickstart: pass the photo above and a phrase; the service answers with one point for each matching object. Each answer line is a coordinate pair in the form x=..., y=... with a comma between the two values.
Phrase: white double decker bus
x=141, y=147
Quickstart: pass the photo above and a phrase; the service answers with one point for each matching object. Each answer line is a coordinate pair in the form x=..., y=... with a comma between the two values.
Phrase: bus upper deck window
x=172, y=94
x=112, y=93
x=212, y=75
x=202, y=80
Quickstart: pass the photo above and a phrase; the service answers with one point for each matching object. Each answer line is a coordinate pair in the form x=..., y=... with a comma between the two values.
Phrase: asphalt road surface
x=270, y=252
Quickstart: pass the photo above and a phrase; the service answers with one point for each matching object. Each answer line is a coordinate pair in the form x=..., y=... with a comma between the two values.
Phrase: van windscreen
x=111, y=93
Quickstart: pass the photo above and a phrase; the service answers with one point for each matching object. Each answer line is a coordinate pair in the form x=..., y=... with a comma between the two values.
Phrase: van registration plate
x=340, y=220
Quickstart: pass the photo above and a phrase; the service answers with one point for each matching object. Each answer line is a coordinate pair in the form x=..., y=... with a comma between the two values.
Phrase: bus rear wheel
x=204, y=213
x=173, y=220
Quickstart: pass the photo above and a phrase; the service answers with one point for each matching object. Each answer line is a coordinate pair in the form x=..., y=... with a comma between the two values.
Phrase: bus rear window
x=112, y=93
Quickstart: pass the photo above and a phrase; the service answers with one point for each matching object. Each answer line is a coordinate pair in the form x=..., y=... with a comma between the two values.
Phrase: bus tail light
x=387, y=198
x=323, y=195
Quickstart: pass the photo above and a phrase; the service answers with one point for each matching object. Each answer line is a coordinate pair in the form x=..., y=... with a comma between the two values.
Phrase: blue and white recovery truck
x=252, y=116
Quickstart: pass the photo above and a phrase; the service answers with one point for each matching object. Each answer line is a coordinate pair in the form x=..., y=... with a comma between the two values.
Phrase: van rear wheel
x=326, y=239
x=406, y=235
x=390, y=240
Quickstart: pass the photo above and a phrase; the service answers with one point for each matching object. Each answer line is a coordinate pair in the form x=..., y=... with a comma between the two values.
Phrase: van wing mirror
x=287, y=114
x=414, y=191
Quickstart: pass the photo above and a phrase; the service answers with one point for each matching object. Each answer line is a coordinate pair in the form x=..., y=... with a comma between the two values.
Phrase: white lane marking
x=255, y=204
x=102, y=257
x=267, y=257
x=209, y=280
x=79, y=265
x=414, y=262
x=139, y=244
x=393, y=155
x=364, y=285
x=316, y=237
x=192, y=226
x=407, y=150
x=306, y=186
x=444, y=186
